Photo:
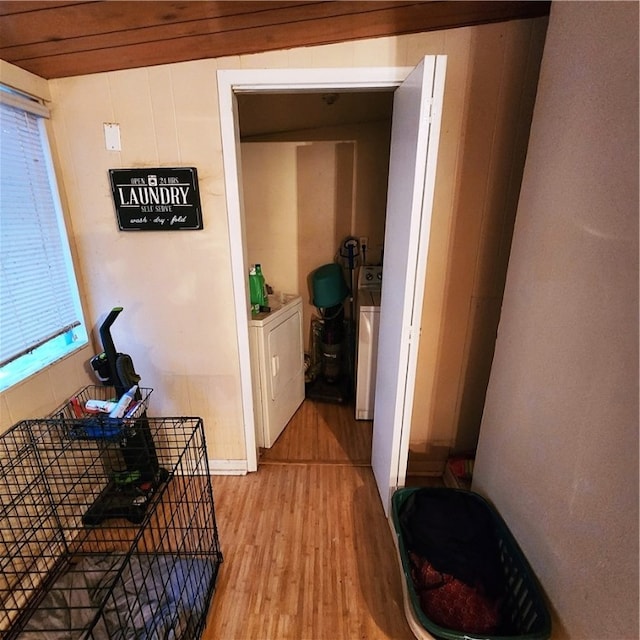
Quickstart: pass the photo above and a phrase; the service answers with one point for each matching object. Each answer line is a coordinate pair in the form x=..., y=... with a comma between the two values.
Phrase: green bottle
x=255, y=290
x=263, y=289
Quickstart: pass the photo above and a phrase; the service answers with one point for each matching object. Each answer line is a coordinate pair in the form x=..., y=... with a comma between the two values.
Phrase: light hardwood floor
x=308, y=553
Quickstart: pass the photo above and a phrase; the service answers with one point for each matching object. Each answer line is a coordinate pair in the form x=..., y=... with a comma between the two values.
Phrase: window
x=40, y=314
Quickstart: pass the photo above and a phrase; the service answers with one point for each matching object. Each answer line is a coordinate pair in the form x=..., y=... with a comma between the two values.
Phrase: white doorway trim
x=231, y=82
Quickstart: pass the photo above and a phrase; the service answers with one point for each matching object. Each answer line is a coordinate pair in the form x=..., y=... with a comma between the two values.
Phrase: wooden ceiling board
x=110, y=18
x=88, y=40
x=8, y=8
x=60, y=39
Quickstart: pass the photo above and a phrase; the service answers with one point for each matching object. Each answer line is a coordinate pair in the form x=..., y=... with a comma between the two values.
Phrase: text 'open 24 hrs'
x=156, y=199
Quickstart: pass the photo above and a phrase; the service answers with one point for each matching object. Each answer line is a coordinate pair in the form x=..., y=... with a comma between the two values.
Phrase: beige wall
x=558, y=451
x=302, y=199
x=269, y=174
x=295, y=233
x=364, y=157
x=318, y=217
x=178, y=321
x=477, y=185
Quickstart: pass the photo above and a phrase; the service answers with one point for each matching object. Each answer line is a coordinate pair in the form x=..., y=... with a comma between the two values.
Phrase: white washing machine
x=369, y=292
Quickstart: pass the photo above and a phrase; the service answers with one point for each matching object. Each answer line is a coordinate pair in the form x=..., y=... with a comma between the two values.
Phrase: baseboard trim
x=228, y=467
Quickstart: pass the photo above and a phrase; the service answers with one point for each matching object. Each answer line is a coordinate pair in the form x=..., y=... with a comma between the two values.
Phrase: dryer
x=277, y=361
x=369, y=295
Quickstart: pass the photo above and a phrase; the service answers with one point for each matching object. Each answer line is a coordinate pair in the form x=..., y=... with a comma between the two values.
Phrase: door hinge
x=429, y=112
x=414, y=332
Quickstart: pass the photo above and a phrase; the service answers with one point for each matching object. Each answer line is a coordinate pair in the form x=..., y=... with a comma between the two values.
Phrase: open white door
x=415, y=133
x=230, y=82
x=416, y=129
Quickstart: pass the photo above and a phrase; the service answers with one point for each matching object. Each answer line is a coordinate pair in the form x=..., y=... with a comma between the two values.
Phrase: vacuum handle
x=351, y=247
x=110, y=350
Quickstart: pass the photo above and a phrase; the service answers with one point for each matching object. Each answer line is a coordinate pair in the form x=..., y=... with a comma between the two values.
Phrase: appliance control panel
x=370, y=277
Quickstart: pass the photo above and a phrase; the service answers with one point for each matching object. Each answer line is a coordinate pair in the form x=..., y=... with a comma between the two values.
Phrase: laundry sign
x=161, y=199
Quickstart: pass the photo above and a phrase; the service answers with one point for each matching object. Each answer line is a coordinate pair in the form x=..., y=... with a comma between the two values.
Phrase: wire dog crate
x=145, y=570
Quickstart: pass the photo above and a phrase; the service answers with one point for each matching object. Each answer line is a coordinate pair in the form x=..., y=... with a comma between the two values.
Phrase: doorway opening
x=314, y=174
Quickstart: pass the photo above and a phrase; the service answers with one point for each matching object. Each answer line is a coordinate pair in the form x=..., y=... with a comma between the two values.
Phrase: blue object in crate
x=97, y=428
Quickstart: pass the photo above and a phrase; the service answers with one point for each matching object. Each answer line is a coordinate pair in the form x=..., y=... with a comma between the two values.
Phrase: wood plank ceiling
x=56, y=39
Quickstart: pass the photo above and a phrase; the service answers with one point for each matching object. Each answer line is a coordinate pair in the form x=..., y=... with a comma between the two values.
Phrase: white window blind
x=38, y=292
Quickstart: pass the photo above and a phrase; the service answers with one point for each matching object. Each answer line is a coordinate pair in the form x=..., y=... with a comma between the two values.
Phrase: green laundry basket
x=525, y=615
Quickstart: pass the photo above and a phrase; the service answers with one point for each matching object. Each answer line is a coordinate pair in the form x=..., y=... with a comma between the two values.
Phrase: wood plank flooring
x=308, y=553
x=320, y=432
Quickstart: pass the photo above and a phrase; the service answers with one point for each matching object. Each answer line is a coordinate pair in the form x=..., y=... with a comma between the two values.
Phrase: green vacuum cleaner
x=129, y=489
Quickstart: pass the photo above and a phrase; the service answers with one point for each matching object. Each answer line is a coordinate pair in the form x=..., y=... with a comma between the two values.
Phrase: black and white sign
x=160, y=199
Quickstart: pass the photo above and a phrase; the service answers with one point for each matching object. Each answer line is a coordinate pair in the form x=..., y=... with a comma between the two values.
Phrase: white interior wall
x=290, y=213
x=316, y=188
x=558, y=451
x=362, y=159
x=271, y=211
